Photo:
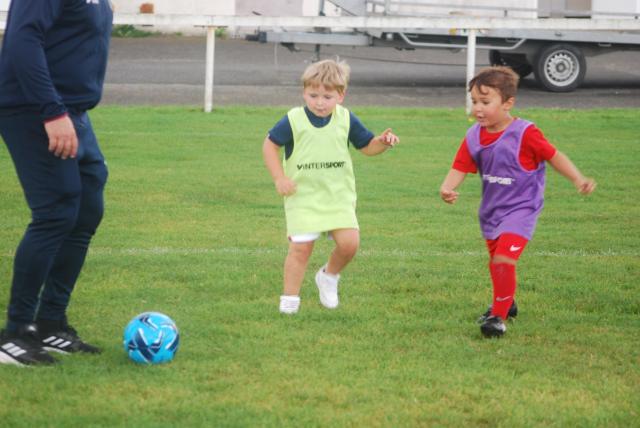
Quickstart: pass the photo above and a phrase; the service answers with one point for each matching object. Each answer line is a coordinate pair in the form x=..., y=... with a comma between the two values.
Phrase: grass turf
x=194, y=228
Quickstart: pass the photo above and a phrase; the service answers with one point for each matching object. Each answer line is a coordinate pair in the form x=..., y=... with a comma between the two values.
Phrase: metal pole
x=471, y=64
x=208, y=80
x=320, y=13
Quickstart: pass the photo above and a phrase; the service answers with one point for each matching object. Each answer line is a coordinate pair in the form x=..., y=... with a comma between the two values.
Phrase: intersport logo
x=320, y=165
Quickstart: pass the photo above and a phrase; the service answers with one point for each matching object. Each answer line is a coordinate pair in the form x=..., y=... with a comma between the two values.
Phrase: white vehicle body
x=556, y=57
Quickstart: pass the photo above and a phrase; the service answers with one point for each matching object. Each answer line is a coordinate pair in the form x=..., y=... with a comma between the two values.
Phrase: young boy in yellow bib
x=317, y=180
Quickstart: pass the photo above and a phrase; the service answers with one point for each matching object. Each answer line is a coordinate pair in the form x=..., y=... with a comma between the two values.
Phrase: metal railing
x=399, y=24
x=426, y=8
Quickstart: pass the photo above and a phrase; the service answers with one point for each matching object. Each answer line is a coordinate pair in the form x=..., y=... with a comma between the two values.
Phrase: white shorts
x=307, y=237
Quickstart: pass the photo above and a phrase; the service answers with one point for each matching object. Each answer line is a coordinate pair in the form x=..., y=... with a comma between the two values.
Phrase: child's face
x=489, y=109
x=321, y=100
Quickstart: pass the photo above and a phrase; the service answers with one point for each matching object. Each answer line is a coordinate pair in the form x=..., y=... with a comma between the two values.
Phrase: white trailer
x=557, y=57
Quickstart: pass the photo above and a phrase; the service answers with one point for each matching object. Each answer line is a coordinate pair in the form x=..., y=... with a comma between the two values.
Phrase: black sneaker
x=58, y=336
x=23, y=348
x=493, y=327
x=513, y=312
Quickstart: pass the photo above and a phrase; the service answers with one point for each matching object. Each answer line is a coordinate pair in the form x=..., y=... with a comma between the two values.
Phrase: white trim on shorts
x=304, y=237
x=307, y=237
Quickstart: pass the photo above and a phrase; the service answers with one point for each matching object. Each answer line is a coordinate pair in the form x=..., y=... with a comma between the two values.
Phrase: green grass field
x=194, y=228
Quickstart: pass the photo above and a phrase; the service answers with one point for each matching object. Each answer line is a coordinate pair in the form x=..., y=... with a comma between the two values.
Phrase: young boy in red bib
x=510, y=154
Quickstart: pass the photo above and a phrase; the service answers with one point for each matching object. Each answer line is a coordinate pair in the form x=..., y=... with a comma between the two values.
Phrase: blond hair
x=328, y=73
x=500, y=78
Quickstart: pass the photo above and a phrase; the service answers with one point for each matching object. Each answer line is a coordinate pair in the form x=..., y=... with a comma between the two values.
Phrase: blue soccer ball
x=151, y=338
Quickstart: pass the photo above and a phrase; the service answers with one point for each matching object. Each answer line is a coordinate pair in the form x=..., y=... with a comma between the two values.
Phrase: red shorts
x=508, y=245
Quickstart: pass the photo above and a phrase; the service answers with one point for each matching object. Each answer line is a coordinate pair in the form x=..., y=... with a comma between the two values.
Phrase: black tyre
x=517, y=62
x=495, y=58
x=560, y=68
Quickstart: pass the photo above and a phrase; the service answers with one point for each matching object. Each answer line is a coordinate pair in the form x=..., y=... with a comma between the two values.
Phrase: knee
x=348, y=248
x=92, y=206
x=90, y=215
x=300, y=252
x=60, y=215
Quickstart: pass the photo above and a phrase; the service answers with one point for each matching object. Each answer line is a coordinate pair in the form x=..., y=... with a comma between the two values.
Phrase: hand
x=449, y=196
x=63, y=141
x=388, y=138
x=585, y=185
x=285, y=186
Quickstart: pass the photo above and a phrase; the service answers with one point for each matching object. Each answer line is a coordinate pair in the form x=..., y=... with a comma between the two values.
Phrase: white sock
x=335, y=276
x=289, y=304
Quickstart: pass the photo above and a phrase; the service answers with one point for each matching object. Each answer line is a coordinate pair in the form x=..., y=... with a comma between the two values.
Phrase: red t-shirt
x=534, y=149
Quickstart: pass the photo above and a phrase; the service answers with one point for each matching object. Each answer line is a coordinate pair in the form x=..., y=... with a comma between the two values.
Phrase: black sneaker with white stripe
x=58, y=336
x=23, y=348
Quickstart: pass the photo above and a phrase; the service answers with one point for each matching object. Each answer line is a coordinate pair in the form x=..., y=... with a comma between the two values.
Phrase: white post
x=208, y=80
x=471, y=64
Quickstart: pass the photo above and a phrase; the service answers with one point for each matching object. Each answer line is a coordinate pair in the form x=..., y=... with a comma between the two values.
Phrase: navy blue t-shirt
x=282, y=134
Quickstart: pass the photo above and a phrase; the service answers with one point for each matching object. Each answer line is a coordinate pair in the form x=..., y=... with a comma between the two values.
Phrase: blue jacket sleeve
x=27, y=26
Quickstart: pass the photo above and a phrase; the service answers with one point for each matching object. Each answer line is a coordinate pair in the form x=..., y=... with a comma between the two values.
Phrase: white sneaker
x=289, y=304
x=328, y=288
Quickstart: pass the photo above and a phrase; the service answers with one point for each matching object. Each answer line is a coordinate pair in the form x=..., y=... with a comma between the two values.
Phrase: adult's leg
x=52, y=189
x=71, y=256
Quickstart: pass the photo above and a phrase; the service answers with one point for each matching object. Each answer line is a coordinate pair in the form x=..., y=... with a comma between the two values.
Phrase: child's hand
x=388, y=138
x=449, y=196
x=585, y=185
x=285, y=186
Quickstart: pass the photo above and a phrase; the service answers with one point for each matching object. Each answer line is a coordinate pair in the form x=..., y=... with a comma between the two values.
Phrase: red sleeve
x=463, y=161
x=535, y=148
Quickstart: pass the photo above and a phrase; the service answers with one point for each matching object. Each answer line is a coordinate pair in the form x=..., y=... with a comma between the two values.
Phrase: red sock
x=503, y=276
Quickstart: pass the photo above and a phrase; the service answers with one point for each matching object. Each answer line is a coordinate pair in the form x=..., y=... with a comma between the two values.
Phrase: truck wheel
x=517, y=62
x=560, y=68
